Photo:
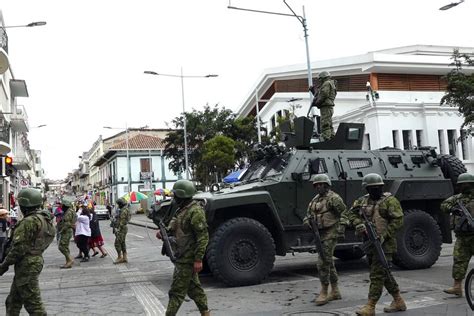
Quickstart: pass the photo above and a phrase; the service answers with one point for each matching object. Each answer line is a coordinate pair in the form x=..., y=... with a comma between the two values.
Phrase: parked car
x=102, y=212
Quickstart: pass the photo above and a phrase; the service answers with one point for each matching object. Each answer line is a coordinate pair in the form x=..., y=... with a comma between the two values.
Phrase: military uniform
x=65, y=230
x=464, y=245
x=324, y=101
x=121, y=230
x=32, y=235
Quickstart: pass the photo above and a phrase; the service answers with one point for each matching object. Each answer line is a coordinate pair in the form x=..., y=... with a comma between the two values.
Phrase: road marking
x=138, y=236
x=146, y=293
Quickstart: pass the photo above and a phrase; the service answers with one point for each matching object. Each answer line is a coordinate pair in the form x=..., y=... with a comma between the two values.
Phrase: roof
x=139, y=141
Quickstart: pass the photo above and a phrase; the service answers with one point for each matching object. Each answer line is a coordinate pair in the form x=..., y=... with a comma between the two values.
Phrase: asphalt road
x=140, y=287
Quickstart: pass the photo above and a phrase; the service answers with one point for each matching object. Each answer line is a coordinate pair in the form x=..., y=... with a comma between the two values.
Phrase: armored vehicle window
x=395, y=160
x=353, y=133
x=417, y=160
x=265, y=168
x=358, y=163
x=317, y=166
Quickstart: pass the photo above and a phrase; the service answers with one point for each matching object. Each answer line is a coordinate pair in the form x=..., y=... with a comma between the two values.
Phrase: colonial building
x=405, y=111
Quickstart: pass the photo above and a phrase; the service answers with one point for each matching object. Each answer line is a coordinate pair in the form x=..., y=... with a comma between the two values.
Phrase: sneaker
x=95, y=254
x=104, y=255
x=86, y=259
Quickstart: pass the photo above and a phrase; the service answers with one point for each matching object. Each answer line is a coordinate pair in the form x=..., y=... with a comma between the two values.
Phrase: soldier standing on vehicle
x=32, y=235
x=121, y=230
x=65, y=231
x=326, y=208
x=189, y=227
x=464, y=245
x=385, y=213
x=324, y=101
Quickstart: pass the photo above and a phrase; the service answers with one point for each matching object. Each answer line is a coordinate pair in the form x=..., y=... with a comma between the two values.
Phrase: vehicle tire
x=349, y=254
x=451, y=167
x=241, y=252
x=418, y=242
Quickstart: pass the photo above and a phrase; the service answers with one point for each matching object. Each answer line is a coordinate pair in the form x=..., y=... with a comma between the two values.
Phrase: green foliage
x=218, y=156
x=460, y=89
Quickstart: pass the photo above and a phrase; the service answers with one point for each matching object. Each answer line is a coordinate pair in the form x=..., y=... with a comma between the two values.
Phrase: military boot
x=368, y=309
x=68, y=264
x=397, y=305
x=119, y=258
x=125, y=259
x=206, y=313
x=335, y=294
x=456, y=289
x=323, y=295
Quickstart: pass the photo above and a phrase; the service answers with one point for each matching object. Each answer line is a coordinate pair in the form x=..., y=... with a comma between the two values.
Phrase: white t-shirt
x=82, y=225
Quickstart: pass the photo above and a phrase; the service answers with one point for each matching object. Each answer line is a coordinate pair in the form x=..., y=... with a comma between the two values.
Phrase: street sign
x=24, y=182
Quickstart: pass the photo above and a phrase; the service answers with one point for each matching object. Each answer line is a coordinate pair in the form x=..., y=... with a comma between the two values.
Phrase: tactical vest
x=324, y=217
x=183, y=238
x=373, y=213
x=458, y=223
x=45, y=235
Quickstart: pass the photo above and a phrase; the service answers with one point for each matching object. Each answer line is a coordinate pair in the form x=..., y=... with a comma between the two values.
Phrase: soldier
x=324, y=101
x=189, y=227
x=327, y=207
x=386, y=214
x=65, y=230
x=121, y=230
x=464, y=245
x=32, y=235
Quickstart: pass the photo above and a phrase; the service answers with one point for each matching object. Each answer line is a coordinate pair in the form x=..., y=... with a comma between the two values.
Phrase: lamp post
x=451, y=5
x=149, y=72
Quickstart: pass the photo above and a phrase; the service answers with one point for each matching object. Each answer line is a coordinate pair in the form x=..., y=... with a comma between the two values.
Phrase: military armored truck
x=262, y=216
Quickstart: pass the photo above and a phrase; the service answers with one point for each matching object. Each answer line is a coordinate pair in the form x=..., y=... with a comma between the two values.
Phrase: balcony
x=19, y=120
x=22, y=163
x=146, y=175
x=5, y=146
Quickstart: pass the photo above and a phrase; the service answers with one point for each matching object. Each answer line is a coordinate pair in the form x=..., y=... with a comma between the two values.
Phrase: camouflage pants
x=120, y=236
x=64, y=240
x=25, y=291
x=185, y=281
x=379, y=278
x=326, y=122
x=463, y=251
x=326, y=269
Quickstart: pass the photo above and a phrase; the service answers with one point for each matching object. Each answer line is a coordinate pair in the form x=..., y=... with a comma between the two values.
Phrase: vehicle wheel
x=451, y=167
x=241, y=252
x=418, y=242
x=349, y=254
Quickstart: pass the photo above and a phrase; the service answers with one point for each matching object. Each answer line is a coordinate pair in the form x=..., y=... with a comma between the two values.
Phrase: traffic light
x=7, y=166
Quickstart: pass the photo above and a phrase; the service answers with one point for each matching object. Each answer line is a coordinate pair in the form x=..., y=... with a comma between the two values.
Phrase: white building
x=409, y=81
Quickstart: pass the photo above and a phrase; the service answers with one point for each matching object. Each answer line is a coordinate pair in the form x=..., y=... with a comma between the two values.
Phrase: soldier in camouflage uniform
x=386, y=214
x=464, y=245
x=326, y=207
x=189, y=227
x=121, y=230
x=324, y=101
x=32, y=235
x=65, y=230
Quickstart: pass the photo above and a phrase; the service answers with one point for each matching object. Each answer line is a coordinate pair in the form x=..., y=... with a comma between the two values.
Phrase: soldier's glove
x=361, y=229
x=3, y=269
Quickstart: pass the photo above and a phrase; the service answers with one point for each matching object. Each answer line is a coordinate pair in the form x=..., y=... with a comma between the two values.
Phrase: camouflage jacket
x=67, y=221
x=468, y=200
x=123, y=218
x=189, y=227
x=327, y=210
x=386, y=214
x=326, y=94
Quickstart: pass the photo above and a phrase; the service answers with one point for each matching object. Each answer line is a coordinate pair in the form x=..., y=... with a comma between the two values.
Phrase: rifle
x=372, y=239
x=317, y=238
x=466, y=217
x=166, y=241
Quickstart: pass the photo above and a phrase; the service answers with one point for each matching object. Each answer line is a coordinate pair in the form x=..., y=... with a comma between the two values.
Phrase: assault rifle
x=317, y=238
x=466, y=216
x=168, y=250
x=373, y=241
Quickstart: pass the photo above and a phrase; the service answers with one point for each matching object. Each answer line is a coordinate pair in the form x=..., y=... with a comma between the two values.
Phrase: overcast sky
x=84, y=69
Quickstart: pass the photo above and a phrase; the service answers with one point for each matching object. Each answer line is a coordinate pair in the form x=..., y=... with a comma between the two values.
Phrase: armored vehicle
x=262, y=216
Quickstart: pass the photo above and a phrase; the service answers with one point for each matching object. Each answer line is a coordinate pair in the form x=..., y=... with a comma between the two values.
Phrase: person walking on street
x=324, y=101
x=3, y=231
x=32, y=236
x=464, y=245
x=65, y=230
x=326, y=209
x=121, y=230
x=189, y=227
x=96, y=240
x=385, y=214
x=83, y=233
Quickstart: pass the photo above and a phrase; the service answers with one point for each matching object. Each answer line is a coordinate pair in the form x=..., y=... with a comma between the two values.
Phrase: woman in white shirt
x=83, y=233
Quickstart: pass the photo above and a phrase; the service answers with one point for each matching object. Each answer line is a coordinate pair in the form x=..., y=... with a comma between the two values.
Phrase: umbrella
x=134, y=196
x=162, y=192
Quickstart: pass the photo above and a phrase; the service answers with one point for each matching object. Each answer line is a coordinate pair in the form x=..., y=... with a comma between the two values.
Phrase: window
x=452, y=142
x=407, y=140
x=464, y=144
x=366, y=142
x=395, y=138
x=145, y=165
x=419, y=138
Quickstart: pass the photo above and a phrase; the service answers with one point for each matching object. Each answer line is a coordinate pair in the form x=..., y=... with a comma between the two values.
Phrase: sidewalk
x=142, y=220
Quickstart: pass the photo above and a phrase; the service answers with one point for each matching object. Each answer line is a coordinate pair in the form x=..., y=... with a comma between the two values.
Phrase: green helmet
x=66, y=202
x=30, y=198
x=184, y=189
x=372, y=180
x=324, y=74
x=465, y=178
x=321, y=178
x=121, y=202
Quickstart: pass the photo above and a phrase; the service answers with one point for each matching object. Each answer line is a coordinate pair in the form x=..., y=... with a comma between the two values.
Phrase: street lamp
x=32, y=24
x=451, y=5
x=149, y=72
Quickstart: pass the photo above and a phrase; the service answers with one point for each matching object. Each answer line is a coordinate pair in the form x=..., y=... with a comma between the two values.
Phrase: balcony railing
x=19, y=120
x=5, y=146
x=146, y=175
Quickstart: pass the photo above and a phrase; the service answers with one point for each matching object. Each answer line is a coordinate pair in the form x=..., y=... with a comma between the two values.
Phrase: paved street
x=140, y=287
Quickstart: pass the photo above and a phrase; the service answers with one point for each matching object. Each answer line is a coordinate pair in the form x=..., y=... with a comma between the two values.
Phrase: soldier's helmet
x=30, y=198
x=321, y=178
x=184, y=189
x=324, y=74
x=465, y=178
x=372, y=180
x=66, y=202
x=121, y=202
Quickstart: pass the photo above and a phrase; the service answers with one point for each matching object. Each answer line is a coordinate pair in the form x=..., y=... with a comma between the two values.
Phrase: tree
x=218, y=157
x=460, y=89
